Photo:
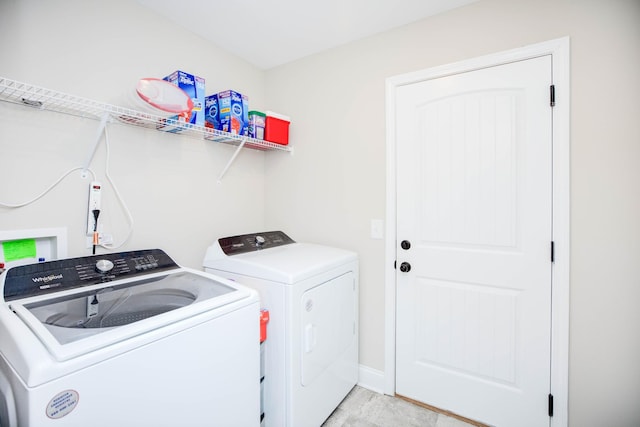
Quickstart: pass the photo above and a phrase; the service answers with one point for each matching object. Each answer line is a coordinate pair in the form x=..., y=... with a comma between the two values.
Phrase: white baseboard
x=371, y=379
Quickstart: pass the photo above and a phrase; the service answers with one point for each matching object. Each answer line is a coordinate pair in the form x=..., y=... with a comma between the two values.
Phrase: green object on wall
x=19, y=249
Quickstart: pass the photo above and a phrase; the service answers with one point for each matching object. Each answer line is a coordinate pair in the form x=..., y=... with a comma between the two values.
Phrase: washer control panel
x=45, y=277
x=235, y=245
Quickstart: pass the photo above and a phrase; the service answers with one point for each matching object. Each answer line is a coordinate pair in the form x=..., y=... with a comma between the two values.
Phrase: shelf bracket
x=92, y=150
x=231, y=160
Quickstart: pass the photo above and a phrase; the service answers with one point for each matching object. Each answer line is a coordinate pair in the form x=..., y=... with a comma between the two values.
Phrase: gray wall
x=337, y=100
x=99, y=50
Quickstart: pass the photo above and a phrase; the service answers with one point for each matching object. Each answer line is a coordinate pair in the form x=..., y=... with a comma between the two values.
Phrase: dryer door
x=328, y=325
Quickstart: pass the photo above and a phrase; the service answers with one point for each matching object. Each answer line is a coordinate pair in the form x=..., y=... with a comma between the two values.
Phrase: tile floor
x=365, y=408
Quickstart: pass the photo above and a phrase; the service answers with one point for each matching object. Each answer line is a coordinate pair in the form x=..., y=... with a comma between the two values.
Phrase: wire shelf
x=47, y=99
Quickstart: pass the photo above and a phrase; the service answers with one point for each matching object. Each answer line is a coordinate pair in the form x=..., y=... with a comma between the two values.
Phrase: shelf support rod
x=231, y=160
x=92, y=150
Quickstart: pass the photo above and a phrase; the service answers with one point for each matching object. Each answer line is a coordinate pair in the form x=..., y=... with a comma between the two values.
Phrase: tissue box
x=276, y=128
x=233, y=110
x=194, y=86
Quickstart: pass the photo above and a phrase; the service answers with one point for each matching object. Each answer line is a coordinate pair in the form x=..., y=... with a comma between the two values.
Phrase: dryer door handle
x=309, y=337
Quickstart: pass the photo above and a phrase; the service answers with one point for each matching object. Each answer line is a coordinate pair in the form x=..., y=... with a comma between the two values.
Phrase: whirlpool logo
x=46, y=279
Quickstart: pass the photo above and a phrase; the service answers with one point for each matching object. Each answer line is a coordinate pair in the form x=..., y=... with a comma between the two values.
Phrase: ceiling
x=268, y=33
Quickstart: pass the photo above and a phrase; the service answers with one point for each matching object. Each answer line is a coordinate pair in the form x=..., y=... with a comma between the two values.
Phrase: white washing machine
x=127, y=338
x=311, y=292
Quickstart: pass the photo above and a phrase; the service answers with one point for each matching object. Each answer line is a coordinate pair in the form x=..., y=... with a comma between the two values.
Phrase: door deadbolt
x=405, y=267
x=405, y=244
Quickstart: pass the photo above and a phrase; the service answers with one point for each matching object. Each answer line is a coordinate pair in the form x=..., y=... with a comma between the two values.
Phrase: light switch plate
x=377, y=229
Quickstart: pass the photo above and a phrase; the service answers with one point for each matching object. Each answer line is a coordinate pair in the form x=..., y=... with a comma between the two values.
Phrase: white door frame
x=559, y=49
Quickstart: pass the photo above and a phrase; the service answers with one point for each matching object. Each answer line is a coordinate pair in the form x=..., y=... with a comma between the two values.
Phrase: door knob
x=405, y=267
x=405, y=244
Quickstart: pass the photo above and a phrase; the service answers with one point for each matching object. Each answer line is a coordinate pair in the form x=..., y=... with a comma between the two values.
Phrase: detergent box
x=233, y=110
x=212, y=117
x=211, y=113
x=194, y=87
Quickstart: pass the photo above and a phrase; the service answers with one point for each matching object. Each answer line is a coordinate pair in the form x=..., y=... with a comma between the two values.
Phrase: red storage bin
x=276, y=128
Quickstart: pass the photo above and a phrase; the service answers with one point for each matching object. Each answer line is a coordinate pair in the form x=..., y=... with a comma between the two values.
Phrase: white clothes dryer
x=128, y=338
x=311, y=292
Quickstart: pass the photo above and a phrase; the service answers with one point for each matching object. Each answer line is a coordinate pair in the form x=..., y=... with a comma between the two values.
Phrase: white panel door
x=474, y=173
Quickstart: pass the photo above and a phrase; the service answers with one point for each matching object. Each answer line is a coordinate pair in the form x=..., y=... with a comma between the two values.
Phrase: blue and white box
x=233, y=110
x=211, y=113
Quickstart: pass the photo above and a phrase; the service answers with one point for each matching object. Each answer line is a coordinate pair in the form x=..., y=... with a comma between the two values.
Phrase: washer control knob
x=260, y=241
x=104, y=266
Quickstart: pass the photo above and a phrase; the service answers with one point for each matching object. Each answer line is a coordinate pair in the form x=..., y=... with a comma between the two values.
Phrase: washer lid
x=68, y=328
x=77, y=310
x=288, y=264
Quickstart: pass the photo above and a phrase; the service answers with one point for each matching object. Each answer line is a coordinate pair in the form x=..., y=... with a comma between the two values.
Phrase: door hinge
x=552, y=95
x=553, y=251
x=550, y=405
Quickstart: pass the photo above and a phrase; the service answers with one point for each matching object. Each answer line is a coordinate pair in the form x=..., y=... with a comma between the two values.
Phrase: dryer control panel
x=235, y=245
x=45, y=277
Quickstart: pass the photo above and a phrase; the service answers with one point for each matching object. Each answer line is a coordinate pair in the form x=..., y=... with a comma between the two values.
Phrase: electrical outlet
x=95, y=194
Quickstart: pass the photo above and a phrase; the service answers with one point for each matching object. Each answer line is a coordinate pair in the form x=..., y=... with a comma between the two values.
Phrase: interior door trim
x=559, y=49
